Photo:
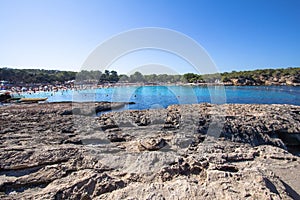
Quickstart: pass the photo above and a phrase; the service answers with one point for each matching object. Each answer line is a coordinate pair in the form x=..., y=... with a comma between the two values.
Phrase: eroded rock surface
x=203, y=151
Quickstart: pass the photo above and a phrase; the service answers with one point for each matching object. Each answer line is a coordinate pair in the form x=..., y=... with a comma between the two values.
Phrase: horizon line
x=54, y=69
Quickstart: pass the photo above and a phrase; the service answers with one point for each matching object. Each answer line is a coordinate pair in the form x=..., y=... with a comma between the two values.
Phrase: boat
x=4, y=96
x=31, y=100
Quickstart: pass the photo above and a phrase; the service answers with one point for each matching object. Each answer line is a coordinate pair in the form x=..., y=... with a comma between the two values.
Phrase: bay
x=147, y=97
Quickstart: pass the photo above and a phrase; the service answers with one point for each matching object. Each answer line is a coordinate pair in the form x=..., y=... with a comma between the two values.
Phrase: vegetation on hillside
x=263, y=77
x=287, y=76
x=22, y=76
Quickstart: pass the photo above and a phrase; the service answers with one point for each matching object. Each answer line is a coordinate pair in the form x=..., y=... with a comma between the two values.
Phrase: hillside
x=287, y=76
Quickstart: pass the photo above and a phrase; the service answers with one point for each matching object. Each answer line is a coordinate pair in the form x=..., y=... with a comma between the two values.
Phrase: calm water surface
x=147, y=97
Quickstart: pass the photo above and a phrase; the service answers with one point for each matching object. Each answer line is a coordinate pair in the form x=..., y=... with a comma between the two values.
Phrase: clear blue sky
x=237, y=34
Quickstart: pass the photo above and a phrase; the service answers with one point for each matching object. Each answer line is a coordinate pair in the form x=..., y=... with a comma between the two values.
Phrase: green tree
x=136, y=77
x=113, y=77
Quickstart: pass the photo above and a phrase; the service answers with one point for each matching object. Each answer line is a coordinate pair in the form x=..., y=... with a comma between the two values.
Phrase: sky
x=236, y=34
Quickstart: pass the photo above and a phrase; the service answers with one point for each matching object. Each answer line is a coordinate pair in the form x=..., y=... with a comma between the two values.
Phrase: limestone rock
x=201, y=151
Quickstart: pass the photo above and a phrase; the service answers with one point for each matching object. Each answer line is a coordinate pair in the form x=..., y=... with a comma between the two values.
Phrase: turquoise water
x=147, y=97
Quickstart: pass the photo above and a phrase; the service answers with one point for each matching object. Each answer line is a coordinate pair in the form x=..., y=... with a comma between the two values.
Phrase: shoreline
x=122, y=104
x=105, y=86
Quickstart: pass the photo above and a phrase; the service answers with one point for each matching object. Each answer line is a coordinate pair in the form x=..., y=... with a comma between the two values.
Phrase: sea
x=152, y=97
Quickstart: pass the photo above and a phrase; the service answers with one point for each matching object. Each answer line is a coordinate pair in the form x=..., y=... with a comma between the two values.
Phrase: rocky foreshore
x=203, y=151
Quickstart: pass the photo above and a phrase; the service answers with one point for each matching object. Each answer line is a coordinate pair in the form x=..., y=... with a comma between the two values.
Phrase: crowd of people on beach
x=18, y=90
